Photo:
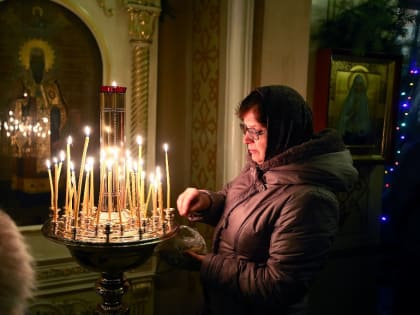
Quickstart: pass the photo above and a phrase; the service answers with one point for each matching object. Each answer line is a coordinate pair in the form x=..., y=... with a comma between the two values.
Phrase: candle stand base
x=112, y=287
x=111, y=258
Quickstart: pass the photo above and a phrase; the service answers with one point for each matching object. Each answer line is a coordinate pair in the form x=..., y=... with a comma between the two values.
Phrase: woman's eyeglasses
x=253, y=133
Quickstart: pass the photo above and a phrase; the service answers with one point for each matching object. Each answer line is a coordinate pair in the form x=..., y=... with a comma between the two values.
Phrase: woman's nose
x=247, y=139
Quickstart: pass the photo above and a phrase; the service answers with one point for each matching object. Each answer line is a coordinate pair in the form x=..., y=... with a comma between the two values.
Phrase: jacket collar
x=326, y=141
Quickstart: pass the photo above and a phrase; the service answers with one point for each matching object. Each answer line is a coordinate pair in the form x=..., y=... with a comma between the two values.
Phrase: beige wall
x=285, y=43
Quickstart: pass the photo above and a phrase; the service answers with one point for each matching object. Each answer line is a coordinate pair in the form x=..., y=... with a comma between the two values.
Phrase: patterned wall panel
x=205, y=92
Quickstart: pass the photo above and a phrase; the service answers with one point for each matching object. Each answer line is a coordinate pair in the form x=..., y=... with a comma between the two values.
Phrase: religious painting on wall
x=357, y=95
x=50, y=75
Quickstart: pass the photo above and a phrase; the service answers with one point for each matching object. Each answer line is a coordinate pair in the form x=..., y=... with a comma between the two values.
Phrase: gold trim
x=25, y=53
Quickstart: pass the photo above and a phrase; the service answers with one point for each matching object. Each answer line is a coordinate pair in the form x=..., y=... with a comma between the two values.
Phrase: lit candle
x=139, y=141
x=137, y=183
x=142, y=176
x=109, y=188
x=91, y=202
x=128, y=182
x=159, y=189
x=101, y=186
x=117, y=176
x=133, y=188
x=82, y=165
x=101, y=179
x=168, y=184
x=68, y=175
x=70, y=205
x=154, y=197
x=69, y=209
x=48, y=163
x=71, y=189
x=75, y=197
x=148, y=195
x=55, y=161
x=86, y=192
x=60, y=165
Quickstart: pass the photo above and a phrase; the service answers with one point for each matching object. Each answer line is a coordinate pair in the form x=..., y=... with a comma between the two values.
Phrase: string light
x=406, y=97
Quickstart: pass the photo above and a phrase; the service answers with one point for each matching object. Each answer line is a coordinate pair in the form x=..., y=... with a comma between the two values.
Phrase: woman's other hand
x=195, y=256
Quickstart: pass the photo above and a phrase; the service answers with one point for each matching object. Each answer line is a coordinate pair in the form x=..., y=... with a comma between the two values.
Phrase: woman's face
x=255, y=137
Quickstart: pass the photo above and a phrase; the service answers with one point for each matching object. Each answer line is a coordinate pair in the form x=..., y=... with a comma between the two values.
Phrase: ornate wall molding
x=103, y=5
x=143, y=16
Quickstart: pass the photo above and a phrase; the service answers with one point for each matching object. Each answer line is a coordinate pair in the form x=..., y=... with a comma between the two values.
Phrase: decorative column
x=142, y=20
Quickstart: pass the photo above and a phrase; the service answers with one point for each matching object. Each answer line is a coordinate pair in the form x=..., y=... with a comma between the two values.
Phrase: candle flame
x=90, y=161
x=158, y=173
x=109, y=164
x=139, y=140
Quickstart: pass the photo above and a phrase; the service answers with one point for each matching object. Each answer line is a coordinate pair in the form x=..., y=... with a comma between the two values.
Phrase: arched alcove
x=69, y=77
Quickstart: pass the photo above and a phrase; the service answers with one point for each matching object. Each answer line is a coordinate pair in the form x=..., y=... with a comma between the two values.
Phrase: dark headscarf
x=285, y=114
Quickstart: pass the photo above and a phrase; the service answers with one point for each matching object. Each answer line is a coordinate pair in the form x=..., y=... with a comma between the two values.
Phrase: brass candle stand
x=118, y=232
x=111, y=249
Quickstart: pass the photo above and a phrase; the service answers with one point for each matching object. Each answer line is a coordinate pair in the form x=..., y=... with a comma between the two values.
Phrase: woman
x=276, y=221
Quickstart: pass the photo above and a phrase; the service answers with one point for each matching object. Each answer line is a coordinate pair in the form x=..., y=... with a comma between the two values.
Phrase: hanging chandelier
x=28, y=132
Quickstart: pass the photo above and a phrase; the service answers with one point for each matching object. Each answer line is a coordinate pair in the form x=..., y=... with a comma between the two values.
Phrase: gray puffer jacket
x=274, y=226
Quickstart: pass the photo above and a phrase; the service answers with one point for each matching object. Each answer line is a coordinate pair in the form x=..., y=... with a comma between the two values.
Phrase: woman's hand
x=198, y=257
x=192, y=200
